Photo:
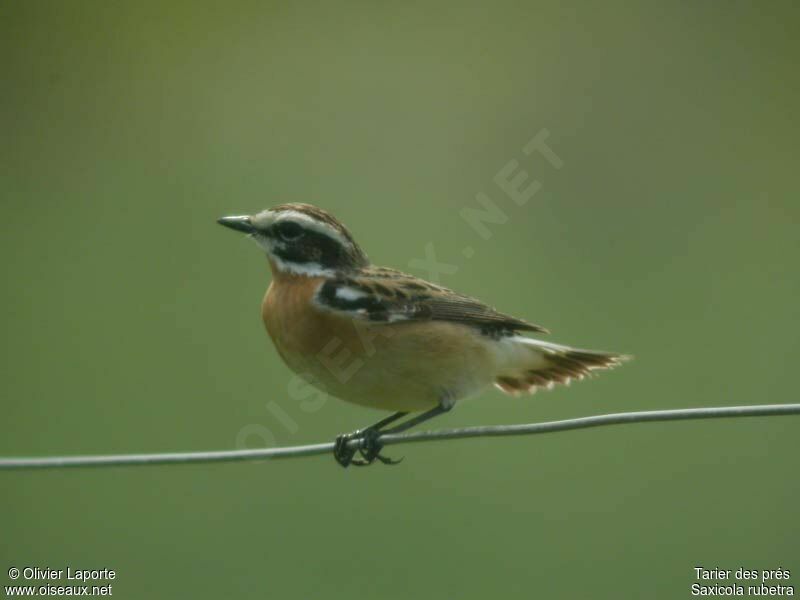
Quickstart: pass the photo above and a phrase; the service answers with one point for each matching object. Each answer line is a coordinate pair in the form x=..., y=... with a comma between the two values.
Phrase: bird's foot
x=369, y=448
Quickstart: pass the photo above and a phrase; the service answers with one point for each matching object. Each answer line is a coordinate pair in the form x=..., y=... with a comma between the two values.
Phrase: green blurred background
x=130, y=320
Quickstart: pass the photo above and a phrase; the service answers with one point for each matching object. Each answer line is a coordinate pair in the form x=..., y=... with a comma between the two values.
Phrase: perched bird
x=381, y=338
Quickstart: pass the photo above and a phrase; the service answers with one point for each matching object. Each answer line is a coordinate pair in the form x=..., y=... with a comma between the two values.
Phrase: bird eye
x=289, y=230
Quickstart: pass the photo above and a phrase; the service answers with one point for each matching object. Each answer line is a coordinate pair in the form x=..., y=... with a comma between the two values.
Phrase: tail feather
x=533, y=364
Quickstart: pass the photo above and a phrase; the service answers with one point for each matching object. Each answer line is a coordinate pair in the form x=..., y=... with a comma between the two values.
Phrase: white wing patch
x=348, y=293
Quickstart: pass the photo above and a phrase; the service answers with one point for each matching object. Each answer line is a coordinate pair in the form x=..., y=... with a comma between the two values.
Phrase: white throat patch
x=308, y=269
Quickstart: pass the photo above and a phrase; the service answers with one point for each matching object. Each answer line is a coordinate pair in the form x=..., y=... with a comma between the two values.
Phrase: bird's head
x=301, y=239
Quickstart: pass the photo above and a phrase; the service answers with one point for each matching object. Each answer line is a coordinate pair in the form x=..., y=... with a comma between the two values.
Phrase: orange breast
x=288, y=314
x=297, y=326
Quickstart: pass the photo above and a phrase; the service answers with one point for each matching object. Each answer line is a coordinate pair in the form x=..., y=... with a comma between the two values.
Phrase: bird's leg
x=369, y=449
x=371, y=446
x=421, y=418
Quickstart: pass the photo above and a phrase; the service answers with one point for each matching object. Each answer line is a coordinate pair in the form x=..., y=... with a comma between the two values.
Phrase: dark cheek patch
x=312, y=247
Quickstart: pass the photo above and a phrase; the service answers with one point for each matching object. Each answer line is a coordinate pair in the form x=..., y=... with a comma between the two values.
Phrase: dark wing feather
x=463, y=309
x=385, y=295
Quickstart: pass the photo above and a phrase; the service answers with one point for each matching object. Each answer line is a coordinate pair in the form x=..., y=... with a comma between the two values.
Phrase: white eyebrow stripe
x=308, y=222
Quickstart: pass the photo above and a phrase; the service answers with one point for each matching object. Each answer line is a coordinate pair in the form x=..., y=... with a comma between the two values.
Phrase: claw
x=389, y=461
x=370, y=446
x=369, y=449
x=341, y=452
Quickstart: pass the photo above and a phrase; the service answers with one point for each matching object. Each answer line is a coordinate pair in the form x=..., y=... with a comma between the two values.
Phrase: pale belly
x=417, y=368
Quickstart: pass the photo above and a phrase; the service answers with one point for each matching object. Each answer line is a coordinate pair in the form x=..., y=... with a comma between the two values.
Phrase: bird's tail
x=526, y=364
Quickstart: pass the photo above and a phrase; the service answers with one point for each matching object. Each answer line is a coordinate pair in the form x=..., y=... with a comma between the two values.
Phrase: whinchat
x=381, y=338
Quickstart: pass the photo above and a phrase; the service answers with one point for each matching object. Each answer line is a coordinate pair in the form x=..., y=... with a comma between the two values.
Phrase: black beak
x=242, y=224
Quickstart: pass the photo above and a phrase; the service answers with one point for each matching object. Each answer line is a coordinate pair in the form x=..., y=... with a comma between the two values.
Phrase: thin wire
x=53, y=462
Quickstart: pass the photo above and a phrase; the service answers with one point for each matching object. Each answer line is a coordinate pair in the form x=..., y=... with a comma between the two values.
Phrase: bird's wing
x=382, y=295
